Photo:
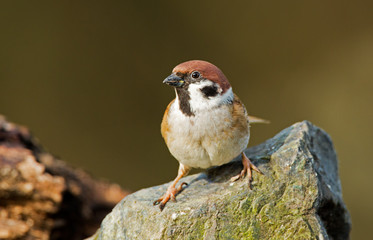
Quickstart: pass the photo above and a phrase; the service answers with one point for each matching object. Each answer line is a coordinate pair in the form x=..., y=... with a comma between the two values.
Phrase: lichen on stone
x=284, y=202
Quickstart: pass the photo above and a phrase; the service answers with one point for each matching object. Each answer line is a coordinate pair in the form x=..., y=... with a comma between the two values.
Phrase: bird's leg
x=172, y=191
x=247, y=166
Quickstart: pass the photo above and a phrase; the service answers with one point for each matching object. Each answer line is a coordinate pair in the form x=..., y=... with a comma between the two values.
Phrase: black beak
x=174, y=81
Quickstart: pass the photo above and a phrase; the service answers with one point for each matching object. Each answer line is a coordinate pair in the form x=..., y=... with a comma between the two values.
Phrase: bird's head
x=199, y=85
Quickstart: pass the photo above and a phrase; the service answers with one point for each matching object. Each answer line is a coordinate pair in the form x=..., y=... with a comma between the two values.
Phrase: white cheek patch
x=198, y=101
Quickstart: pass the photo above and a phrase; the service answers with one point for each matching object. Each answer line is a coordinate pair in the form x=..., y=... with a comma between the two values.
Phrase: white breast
x=205, y=139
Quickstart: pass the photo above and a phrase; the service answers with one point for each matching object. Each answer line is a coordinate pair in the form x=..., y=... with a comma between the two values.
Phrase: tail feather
x=253, y=119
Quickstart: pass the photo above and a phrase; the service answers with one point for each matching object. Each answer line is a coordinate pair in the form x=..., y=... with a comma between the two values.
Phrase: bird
x=205, y=125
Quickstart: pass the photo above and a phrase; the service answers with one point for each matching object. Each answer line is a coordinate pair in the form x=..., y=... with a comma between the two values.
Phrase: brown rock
x=43, y=198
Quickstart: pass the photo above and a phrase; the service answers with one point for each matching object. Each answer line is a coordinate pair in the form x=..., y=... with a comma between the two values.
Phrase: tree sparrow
x=206, y=124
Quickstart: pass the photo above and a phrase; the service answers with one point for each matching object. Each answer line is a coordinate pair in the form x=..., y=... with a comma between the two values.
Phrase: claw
x=181, y=186
x=171, y=190
x=158, y=201
x=162, y=206
x=247, y=167
x=170, y=194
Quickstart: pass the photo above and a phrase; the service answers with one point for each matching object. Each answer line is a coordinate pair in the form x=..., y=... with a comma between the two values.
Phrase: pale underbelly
x=206, y=152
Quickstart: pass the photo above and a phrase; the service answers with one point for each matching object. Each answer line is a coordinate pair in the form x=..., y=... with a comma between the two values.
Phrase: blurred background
x=86, y=78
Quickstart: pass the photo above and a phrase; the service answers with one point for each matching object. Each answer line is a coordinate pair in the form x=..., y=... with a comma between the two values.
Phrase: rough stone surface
x=298, y=197
x=43, y=198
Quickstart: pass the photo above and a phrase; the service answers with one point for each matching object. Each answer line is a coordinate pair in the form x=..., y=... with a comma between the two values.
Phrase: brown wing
x=164, y=125
x=239, y=114
x=240, y=107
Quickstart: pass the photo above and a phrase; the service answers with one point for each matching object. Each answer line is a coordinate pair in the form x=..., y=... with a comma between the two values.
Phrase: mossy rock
x=298, y=197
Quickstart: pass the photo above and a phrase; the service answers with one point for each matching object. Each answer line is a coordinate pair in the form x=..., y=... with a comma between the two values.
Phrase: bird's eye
x=195, y=74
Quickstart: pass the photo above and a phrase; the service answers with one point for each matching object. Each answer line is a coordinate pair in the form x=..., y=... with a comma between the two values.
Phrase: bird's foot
x=247, y=167
x=170, y=194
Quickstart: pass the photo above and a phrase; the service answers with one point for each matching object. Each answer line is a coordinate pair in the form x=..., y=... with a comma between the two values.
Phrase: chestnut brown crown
x=207, y=70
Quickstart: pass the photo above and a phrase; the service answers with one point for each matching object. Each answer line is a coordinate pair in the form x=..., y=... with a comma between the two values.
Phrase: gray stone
x=298, y=197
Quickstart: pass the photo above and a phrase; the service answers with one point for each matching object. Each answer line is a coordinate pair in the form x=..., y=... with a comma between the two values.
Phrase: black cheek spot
x=210, y=91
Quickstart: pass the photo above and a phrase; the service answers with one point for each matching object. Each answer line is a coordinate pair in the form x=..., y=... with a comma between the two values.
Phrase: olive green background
x=86, y=78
